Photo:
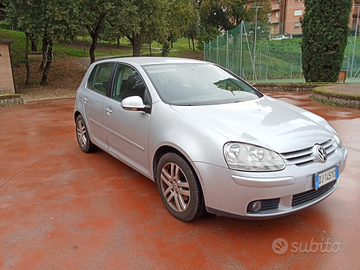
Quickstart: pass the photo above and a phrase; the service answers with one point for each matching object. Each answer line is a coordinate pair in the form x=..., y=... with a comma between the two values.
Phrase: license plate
x=326, y=177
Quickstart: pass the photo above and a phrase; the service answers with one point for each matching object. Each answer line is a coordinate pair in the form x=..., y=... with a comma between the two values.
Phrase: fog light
x=255, y=206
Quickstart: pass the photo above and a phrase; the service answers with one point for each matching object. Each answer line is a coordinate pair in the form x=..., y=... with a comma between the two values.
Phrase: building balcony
x=275, y=20
x=275, y=7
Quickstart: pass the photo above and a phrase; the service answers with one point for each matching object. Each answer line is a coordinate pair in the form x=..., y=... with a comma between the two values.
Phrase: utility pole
x=255, y=32
x=356, y=33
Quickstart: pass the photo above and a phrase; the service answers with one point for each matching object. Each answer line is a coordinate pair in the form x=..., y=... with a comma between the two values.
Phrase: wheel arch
x=76, y=114
x=162, y=150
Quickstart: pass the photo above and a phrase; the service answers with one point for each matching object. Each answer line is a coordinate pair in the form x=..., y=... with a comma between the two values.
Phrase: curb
x=322, y=95
x=7, y=100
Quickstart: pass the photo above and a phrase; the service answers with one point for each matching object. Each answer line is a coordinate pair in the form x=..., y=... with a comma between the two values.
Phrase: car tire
x=179, y=188
x=82, y=136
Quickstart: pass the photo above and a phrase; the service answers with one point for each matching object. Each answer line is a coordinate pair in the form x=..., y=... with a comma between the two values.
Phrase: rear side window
x=99, y=77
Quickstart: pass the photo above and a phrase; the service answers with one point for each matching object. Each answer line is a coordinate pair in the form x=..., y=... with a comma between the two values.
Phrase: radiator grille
x=305, y=156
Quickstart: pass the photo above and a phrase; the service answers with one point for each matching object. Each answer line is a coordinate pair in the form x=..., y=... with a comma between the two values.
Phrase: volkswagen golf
x=210, y=141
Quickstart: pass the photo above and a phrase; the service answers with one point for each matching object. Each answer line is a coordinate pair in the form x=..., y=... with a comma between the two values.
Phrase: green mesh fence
x=253, y=52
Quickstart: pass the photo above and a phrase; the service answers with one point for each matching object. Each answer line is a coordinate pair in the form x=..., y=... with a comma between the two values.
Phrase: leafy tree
x=50, y=19
x=181, y=14
x=22, y=15
x=2, y=12
x=227, y=14
x=110, y=34
x=325, y=30
x=58, y=21
x=93, y=15
x=193, y=32
x=141, y=21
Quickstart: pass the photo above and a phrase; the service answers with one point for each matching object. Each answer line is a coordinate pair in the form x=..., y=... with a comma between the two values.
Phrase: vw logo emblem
x=320, y=153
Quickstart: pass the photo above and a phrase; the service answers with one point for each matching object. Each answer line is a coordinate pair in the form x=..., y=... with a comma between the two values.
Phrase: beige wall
x=6, y=75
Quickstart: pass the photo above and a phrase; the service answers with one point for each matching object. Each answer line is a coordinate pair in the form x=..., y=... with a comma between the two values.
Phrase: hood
x=264, y=122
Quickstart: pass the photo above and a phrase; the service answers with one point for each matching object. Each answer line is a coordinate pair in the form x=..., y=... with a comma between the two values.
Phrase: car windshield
x=198, y=84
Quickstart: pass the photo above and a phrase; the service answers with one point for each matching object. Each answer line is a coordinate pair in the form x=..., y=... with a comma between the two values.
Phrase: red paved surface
x=63, y=209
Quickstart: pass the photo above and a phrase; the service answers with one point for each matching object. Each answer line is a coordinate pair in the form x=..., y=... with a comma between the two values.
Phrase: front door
x=127, y=131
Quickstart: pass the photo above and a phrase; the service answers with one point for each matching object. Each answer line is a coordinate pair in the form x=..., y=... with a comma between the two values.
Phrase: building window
x=297, y=26
x=298, y=0
x=298, y=12
x=278, y=2
x=277, y=14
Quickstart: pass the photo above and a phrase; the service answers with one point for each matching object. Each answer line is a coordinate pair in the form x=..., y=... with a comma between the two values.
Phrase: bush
x=325, y=34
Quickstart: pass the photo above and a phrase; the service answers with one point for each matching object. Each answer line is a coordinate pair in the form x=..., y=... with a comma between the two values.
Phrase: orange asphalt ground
x=63, y=209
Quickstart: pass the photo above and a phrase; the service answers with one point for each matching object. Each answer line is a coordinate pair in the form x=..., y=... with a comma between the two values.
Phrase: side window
x=128, y=82
x=99, y=77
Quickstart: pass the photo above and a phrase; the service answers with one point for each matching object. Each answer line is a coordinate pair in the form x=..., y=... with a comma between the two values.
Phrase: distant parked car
x=280, y=37
x=208, y=139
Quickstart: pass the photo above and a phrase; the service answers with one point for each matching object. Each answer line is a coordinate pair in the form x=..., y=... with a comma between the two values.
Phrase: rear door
x=94, y=102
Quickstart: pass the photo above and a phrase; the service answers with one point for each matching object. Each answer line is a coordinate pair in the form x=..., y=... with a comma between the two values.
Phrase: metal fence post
x=210, y=50
x=227, y=49
x=204, y=52
x=217, y=50
x=357, y=26
x=241, y=42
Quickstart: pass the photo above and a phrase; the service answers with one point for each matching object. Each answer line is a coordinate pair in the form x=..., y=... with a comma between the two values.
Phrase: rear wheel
x=82, y=136
x=179, y=188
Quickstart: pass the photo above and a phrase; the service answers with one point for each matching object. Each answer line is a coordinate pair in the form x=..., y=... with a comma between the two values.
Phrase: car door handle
x=85, y=100
x=108, y=111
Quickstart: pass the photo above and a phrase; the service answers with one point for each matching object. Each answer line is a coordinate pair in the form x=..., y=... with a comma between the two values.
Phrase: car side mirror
x=135, y=103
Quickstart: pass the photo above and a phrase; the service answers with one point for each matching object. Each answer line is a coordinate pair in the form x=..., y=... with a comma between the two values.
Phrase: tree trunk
x=33, y=43
x=165, y=49
x=118, y=43
x=27, y=60
x=92, y=50
x=44, y=80
x=84, y=46
x=189, y=43
x=136, y=45
x=44, y=49
x=193, y=44
x=150, y=48
x=172, y=44
x=94, y=33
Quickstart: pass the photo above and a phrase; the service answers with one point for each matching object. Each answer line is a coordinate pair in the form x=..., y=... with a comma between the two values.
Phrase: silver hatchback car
x=208, y=139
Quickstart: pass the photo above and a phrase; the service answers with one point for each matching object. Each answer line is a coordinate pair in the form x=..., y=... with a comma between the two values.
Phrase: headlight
x=337, y=137
x=247, y=157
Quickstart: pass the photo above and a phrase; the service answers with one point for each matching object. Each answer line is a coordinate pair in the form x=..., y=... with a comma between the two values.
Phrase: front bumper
x=229, y=192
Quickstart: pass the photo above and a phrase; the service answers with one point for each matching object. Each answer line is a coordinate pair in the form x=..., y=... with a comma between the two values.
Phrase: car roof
x=142, y=61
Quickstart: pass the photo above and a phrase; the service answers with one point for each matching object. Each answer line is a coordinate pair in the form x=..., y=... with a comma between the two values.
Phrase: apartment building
x=285, y=16
x=354, y=14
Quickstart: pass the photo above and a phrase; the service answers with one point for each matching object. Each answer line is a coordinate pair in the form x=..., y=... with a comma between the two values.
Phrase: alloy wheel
x=175, y=187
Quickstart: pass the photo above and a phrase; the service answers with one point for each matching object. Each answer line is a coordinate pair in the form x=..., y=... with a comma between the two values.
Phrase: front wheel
x=179, y=188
